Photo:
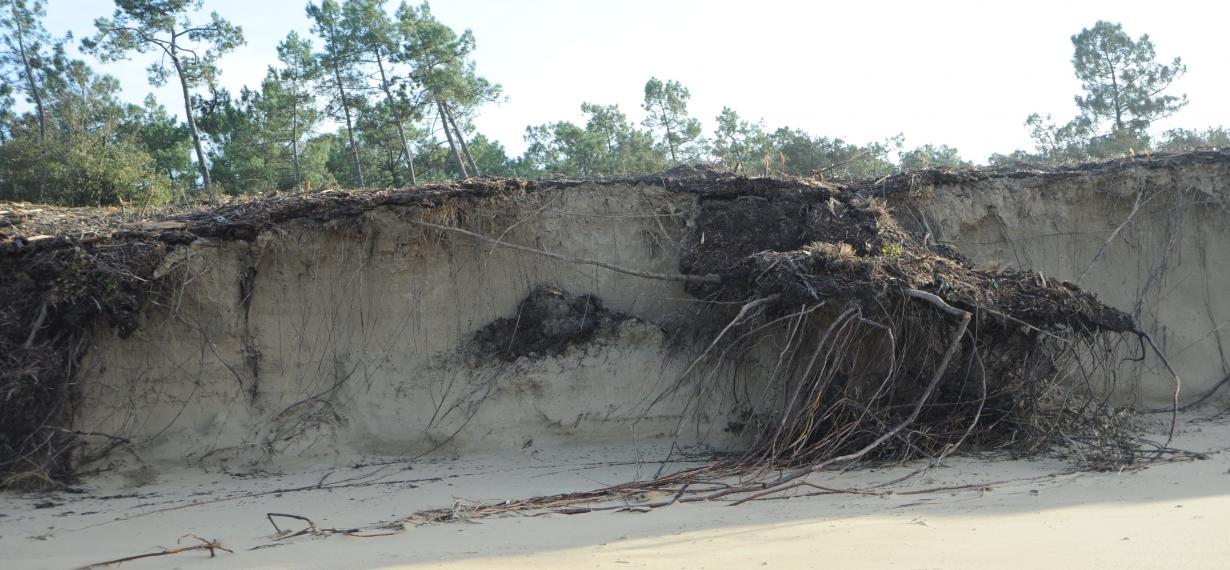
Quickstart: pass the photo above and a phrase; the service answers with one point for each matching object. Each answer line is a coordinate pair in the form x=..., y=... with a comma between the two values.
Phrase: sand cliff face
x=358, y=335
x=363, y=335
x=1150, y=237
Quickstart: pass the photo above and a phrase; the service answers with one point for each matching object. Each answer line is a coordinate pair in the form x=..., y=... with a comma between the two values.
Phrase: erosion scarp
x=795, y=323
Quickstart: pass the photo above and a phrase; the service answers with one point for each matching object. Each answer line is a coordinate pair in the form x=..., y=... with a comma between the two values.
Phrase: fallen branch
x=210, y=545
x=710, y=278
x=938, y=302
x=822, y=491
x=284, y=534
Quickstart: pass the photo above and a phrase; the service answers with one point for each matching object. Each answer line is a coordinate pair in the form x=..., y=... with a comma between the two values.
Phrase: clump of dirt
x=821, y=243
x=548, y=321
x=898, y=348
x=51, y=303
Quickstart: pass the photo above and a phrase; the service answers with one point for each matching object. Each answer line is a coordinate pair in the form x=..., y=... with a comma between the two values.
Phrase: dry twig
x=210, y=545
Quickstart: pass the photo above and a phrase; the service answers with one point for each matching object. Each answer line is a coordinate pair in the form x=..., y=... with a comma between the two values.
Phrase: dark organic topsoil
x=547, y=322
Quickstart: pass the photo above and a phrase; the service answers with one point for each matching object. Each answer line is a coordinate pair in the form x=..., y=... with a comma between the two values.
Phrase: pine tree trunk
x=449, y=135
x=294, y=135
x=465, y=148
x=670, y=142
x=25, y=61
x=401, y=129
x=196, y=135
x=391, y=161
x=34, y=94
x=354, y=148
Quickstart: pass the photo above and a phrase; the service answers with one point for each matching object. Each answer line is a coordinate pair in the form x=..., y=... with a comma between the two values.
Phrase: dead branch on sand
x=210, y=545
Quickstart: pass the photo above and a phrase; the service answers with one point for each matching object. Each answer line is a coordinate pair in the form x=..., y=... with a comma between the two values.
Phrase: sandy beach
x=1024, y=513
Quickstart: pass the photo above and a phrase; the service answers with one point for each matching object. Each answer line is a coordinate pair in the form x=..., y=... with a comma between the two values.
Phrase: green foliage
x=1123, y=88
x=27, y=52
x=243, y=160
x=84, y=169
x=930, y=156
x=81, y=150
x=314, y=162
x=425, y=75
x=1188, y=139
x=608, y=145
x=442, y=72
x=296, y=113
x=1076, y=141
x=340, y=79
x=1122, y=80
x=799, y=154
x=491, y=157
x=381, y=153
x=404, y=93
x=187, y=51
x=666, y=112
x=164, y=27
x=440, y=60
x=164, y=138
x=737, y=142
x=376, y=41
x=1060, y=143
x=6, y=112
x=257, y=139
x=378, y=152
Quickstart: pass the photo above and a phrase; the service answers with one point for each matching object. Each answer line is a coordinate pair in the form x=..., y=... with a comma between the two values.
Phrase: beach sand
x=1010, y=513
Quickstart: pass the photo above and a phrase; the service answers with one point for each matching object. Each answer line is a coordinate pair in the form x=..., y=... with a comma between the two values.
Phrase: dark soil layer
x=547, y=322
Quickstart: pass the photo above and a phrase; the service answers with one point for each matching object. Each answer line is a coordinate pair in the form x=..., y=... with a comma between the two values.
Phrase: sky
x=966, y=74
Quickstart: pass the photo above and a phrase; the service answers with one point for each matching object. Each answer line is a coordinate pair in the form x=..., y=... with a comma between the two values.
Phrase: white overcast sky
x=959, y=73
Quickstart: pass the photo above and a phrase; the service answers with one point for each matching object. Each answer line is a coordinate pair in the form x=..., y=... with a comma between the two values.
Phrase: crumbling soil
x=810, y=243
x=547, y=322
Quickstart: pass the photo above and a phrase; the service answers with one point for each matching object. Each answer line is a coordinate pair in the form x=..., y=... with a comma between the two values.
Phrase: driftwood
x=210, y=545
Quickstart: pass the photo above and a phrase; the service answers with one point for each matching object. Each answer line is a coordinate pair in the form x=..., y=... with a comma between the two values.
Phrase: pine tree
x=191, y=50
x=27, y=52
x=297, y=102
x=443, y=74
x=339, y=76
x=1122, y=79
x=376, y=41
x=737, y=142
x=666, y=109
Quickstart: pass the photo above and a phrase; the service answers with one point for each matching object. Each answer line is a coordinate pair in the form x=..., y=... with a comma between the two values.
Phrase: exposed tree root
x=710, y=278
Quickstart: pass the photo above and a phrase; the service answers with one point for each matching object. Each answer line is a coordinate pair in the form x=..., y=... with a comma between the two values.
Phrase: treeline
x=608, y=143
x=1124, y=90
x=365, y=99
x=369, y=98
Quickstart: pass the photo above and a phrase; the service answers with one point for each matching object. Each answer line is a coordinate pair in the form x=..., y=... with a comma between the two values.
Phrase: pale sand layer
x=1175, y=515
